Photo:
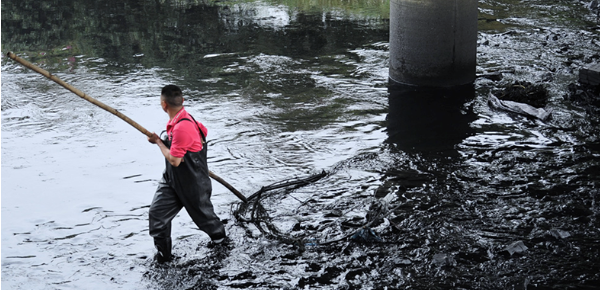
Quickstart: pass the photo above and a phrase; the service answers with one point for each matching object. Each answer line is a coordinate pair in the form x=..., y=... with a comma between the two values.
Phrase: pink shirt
x=184, y=136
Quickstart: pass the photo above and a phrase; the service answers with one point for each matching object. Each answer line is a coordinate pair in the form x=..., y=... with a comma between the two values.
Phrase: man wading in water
x=186, y=181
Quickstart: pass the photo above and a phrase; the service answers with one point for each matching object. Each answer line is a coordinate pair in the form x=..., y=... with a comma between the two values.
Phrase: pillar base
x=433, y=43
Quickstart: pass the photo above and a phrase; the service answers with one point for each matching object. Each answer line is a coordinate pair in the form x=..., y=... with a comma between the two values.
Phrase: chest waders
x=187, y=186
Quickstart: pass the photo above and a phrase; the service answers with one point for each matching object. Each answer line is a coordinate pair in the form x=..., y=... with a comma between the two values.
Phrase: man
x=186, y=181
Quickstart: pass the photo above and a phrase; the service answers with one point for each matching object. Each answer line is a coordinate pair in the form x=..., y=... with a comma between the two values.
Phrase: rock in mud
x=516, y=248
x=559, y=234
x=443, y=260
x=590, y=75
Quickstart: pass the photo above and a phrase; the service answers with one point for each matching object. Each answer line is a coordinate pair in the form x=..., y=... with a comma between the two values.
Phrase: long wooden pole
x=111, y=110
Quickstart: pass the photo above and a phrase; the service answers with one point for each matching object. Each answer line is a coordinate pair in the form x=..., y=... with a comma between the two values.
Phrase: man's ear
x=164, y=105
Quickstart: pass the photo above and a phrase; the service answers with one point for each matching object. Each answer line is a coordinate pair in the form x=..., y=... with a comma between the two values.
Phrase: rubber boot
x=164, y=250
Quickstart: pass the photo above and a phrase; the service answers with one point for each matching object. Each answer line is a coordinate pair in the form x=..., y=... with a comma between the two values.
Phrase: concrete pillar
x=433, y=42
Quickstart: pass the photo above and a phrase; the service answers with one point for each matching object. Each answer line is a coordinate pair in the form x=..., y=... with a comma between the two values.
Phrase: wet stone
x=516, y=248
x=590, y=75
x=559, y=234
x=443, y=260
x=402, y=262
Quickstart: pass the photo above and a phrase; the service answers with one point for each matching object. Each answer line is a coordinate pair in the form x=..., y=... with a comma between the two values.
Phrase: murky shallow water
x=498, y=202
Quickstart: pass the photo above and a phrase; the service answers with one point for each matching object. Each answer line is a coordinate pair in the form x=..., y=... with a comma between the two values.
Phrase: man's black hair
x=172, y=95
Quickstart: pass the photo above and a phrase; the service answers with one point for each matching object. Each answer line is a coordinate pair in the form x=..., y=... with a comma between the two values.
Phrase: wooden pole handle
x=79, y=93
x=111, y=110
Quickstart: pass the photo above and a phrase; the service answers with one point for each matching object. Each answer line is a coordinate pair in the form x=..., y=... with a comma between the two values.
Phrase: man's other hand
x=154, y=138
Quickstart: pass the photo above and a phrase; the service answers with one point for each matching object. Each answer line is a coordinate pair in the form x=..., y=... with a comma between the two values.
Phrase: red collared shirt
x=184, y=136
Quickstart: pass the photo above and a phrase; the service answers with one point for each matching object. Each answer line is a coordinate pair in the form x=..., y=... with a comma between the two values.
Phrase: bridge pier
x=433, y=43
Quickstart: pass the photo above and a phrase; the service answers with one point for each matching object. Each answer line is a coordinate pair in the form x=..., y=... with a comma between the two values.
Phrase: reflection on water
x=464, y=196
x=179, y=35
x=429, y=119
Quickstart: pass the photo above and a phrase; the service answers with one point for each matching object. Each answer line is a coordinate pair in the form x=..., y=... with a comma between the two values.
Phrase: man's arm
x=154, y=139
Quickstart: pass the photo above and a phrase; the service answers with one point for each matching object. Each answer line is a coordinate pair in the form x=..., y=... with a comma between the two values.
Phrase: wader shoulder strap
x=199, y=130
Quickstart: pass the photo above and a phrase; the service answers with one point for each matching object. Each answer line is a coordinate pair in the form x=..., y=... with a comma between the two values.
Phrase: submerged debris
x=519, y=108
x=535, y=95
x=523, y=98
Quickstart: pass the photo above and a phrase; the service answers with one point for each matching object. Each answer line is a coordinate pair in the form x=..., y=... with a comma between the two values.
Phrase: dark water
x=460, y=196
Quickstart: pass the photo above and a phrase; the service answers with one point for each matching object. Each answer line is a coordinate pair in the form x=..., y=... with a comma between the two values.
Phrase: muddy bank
x=449, y=227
